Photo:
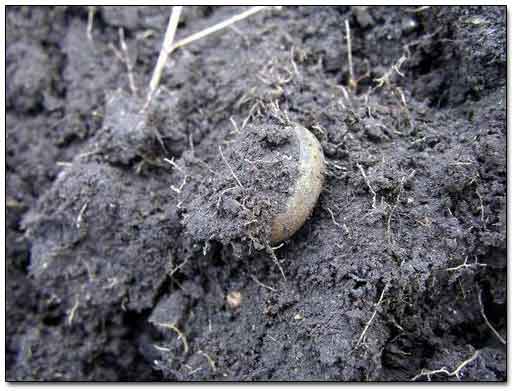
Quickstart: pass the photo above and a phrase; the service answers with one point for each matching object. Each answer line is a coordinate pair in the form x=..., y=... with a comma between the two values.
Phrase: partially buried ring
x=311, y=172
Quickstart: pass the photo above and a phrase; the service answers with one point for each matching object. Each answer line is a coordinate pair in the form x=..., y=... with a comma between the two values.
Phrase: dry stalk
x=217, y=27
x=351, y=82
x=90, y=16
x=166, y=49
x=168, y=46
x=128, y=63
x=123, y=56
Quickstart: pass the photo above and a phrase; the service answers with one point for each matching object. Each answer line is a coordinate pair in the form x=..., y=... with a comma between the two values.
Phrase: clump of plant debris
x=249, y=185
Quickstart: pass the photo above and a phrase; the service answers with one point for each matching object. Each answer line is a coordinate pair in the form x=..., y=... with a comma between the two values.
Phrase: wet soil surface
x=137, y=240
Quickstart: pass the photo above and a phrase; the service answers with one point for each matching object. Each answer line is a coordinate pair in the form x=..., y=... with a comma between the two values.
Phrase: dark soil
x=119, y=263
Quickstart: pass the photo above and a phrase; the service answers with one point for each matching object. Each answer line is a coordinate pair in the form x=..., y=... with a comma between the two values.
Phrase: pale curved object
x=311, y=173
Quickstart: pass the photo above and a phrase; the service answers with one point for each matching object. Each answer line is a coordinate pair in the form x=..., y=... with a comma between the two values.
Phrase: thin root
x=482, y=311
x=123, y=56
x=379, y=302
x=181, y=335
x=374, y=201
x=80, y=216
x=465, y=265
x=178, y=267
x=230, y=168
x=400, y=191
x=271, y=252
x=344, y=226
x=261, y=284
x=71, y=314
x=428, y=373
x=209, y=359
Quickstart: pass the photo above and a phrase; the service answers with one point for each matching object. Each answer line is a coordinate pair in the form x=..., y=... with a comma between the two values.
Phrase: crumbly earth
x=235, y=202
x=119, y=263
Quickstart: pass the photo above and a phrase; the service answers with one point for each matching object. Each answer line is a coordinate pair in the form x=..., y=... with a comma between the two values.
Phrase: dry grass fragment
x=90, y=16
x=80, y=216
x=351, y=82
x=168, y=45
x=123, y=56
x=166, y=49
x=217, y=27
x=127, y=61
x=71, y=313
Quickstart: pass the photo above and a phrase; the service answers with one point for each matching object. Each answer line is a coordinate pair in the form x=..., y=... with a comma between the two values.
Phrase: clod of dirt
x=130, y=134
x=169, y=310
x=25, y=84
x=264, y=187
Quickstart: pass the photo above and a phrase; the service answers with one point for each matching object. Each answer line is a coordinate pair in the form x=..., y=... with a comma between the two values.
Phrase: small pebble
x=234, y=300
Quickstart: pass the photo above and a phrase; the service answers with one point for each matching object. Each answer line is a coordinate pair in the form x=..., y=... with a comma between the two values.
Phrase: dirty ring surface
x=311, y=171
